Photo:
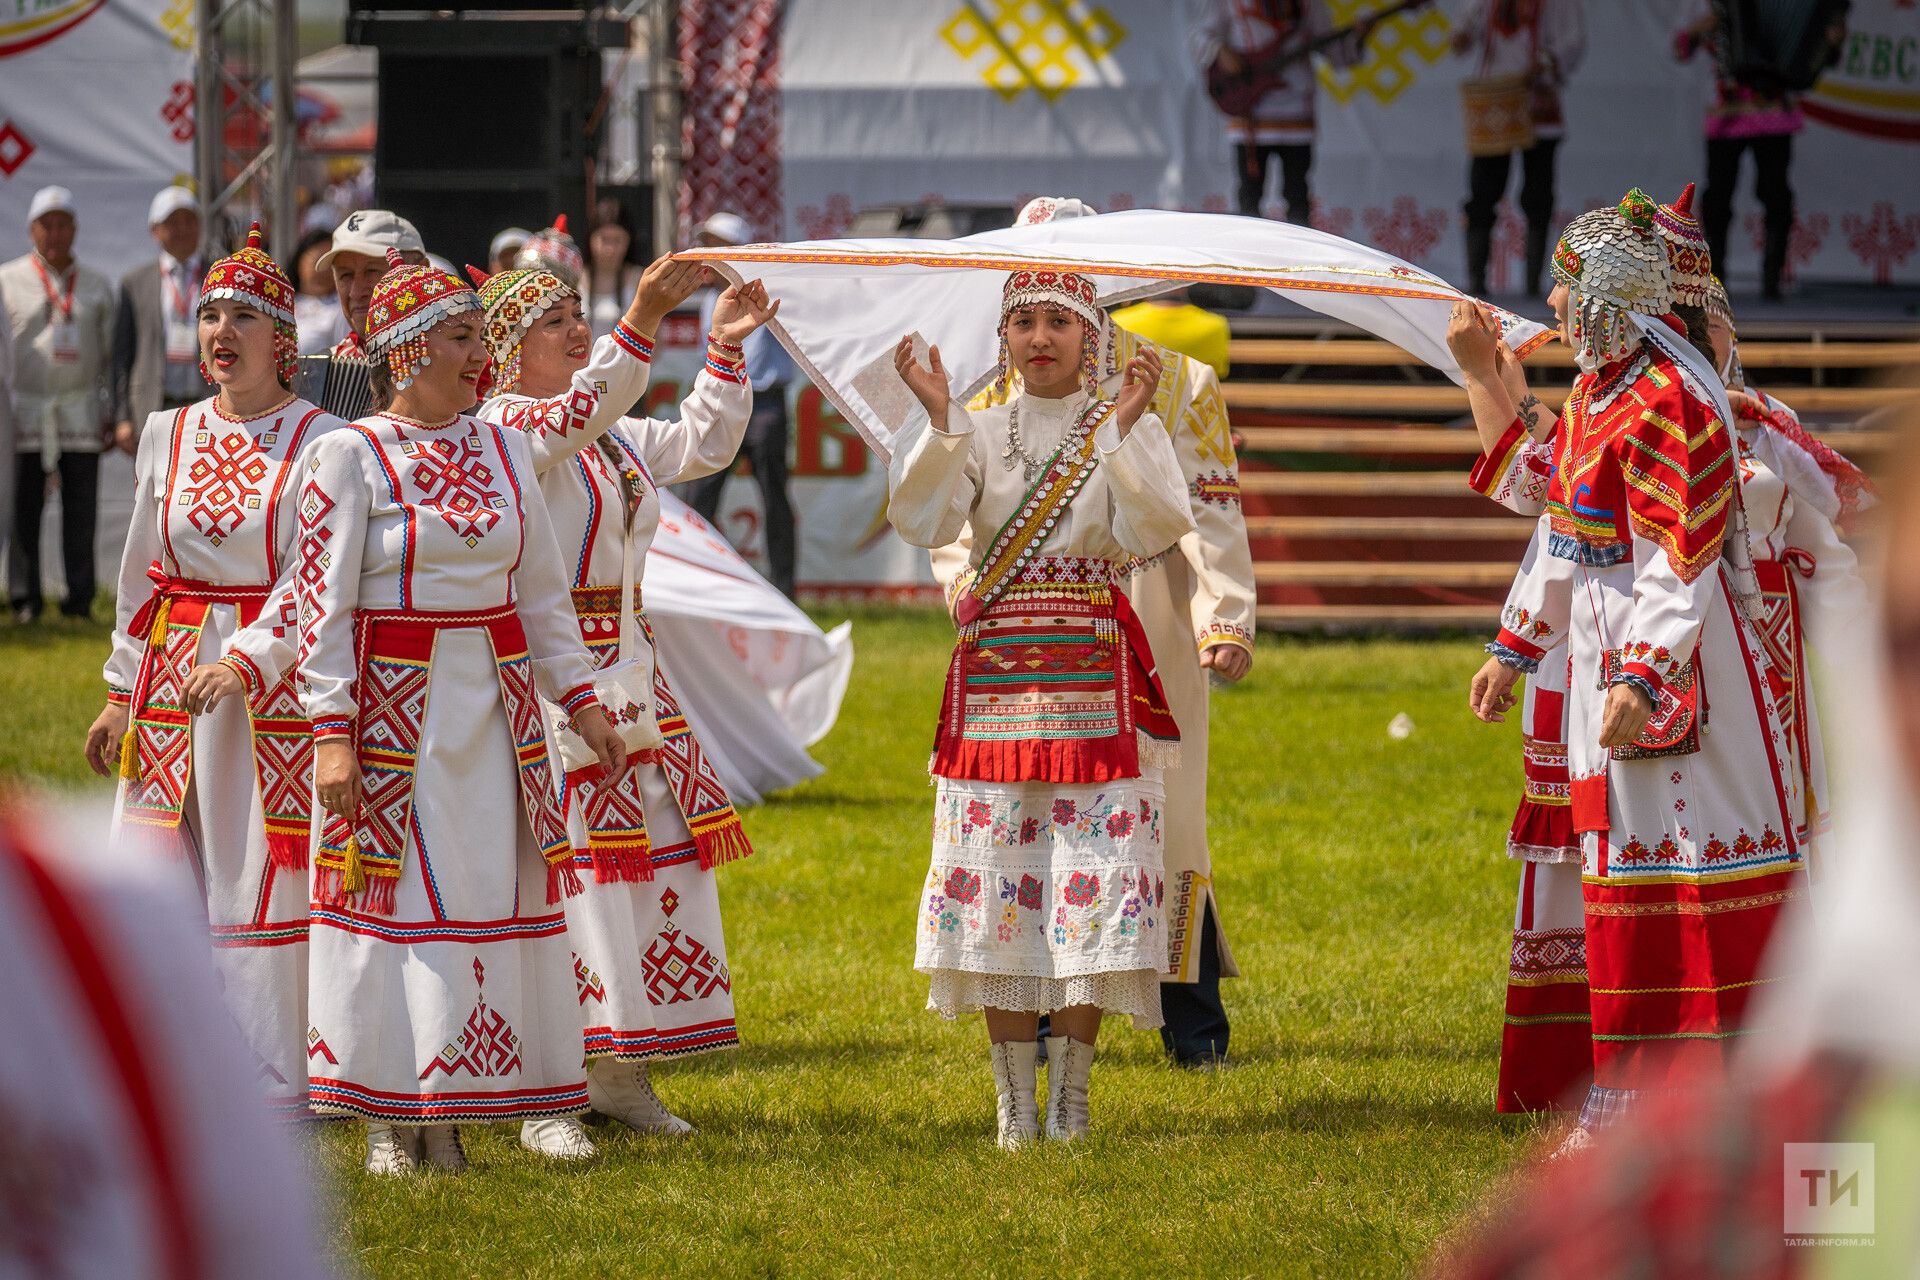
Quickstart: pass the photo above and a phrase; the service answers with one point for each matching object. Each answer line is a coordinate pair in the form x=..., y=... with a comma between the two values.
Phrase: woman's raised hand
x=740, y=310
x=928, y=382
x=1136, y=390
x=665, y=284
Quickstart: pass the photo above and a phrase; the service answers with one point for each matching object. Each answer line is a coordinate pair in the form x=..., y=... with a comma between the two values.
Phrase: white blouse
x=404, y=515
x=942, y=483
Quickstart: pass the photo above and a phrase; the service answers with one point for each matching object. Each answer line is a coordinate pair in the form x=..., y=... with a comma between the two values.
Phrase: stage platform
x=1354, y=456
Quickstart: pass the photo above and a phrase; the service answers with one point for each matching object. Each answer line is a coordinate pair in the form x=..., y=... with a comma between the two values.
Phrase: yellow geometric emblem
x=178, y=23
x=1043, y=45
x=1394, y=52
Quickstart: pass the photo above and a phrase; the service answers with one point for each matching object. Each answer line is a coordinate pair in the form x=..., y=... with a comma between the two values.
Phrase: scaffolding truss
x=244, y=139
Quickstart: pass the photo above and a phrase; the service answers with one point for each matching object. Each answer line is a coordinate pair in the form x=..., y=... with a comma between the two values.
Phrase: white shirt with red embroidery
x=215, y=499
x=445, y=517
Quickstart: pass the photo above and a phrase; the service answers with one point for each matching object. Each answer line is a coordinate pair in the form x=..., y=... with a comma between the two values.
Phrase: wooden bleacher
x=1354, y=458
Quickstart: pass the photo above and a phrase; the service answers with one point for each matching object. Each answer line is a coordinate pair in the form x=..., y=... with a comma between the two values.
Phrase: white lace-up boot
x=561, y=1137
x=1069, y=1063
x=1015, y=1071
x=392, y=1150
x=621, y=1091
x=442, y=1149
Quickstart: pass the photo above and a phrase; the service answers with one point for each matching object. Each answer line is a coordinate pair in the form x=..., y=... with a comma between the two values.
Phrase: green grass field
x=1367, y=897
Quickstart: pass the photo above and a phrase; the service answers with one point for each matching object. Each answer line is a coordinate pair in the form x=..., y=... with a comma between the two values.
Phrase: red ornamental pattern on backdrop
x=1882, y=240
x=1803, y=242
x=177, y=110
x=1333, y=220
x=1406, y=230
x=829, y=223
x=730, y=123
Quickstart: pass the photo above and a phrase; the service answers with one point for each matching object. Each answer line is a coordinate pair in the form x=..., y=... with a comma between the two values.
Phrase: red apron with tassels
x=394, y=650
x=1053, y=682
x=156, y=756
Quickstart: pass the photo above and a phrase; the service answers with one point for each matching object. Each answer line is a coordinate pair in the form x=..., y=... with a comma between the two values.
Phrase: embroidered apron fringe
x=615, y=818
x=395, y=658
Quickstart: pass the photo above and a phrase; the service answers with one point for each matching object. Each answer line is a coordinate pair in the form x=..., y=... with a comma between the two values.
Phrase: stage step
x=1372, y=617
x=1407, y=438
x=1374, y=353
x=1384, y=528
x=1306, y=397
x=1368, y=398
x=1394, y=484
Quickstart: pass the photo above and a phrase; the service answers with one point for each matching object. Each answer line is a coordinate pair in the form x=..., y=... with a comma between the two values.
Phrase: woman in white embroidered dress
x=649, y=953
x=1047, y=887
x=201, y=720
x=1799, y=492
x=432, y=603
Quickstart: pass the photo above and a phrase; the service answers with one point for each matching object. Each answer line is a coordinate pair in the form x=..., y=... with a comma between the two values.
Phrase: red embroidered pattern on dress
x=223, y=483
x=455, y=480
x=487, y=1046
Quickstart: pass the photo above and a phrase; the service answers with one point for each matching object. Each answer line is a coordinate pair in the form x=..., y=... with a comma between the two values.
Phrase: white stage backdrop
x=97, y=97
x=833, y=105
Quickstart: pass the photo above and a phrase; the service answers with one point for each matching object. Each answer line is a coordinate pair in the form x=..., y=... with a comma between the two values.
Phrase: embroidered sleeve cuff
x=332, y=727
x=116, y=696
x=1516, y=643
x=629, y=340
x=1513, y=658
x=1490, y=466
x=1640, y=676
x=726, y=362
x=578, y=700
x=249, y=674
x=1225, y=633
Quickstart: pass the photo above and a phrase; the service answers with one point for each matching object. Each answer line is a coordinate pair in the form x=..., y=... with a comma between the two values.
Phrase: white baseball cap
x=1043, y=209
x=508, y=241
x=49, y=200
x=372, y=232
x=170, y=201
x=728, y=228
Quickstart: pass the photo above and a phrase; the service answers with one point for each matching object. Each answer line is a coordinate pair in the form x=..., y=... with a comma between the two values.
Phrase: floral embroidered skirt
x=1042, y=896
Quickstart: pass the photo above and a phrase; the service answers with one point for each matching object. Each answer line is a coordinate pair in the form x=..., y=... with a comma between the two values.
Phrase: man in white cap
x=61, y=315
x=505, y=248
x=1196, y=602
x=156, y=341
x=769, y=371
x=337, y=382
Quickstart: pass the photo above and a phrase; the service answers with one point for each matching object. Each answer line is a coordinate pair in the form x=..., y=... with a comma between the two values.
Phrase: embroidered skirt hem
x=954, y=993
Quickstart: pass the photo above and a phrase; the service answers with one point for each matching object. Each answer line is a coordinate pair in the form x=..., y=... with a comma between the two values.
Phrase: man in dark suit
x=156, y=345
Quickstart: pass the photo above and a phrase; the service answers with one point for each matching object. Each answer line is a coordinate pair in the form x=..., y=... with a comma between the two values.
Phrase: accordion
x=1779, y=46
x=338, y=384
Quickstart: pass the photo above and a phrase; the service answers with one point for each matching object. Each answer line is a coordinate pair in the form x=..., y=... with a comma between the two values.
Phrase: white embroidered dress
x=1043, y=895
x=1810, y=584
x=650, y=959
x=1196, y=594
x=215, y=503
x=460, y=1004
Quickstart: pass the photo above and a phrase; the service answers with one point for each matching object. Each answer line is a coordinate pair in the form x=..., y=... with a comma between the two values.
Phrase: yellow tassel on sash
x=130, y=744
x=130, y=755
x=354, y=878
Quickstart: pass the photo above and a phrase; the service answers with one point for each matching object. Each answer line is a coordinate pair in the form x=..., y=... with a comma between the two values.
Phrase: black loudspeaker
x=483, y=120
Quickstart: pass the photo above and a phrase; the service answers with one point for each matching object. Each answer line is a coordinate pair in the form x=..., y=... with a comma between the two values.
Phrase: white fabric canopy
x=844, y=304
x=760, y=683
